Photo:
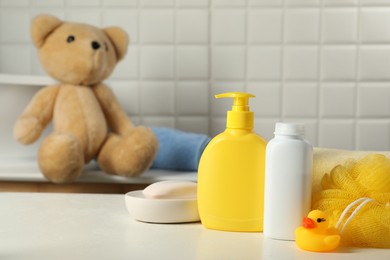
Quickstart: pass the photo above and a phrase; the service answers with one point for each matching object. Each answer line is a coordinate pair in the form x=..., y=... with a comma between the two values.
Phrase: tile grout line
x=282, y=57
x=139, y=67
x=357, y=74
x=246, y=52
x=211, y=71
x=31, y=47
x=319, y=70
x=176, y=79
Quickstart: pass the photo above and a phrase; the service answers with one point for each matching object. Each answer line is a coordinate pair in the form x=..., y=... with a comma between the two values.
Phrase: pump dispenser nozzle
x=239, y=117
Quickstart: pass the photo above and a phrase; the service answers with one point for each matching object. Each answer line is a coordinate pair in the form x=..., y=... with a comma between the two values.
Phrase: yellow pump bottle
x=231, y=173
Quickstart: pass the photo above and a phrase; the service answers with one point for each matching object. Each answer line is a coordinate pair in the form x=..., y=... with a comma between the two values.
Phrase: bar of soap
x=171, y=190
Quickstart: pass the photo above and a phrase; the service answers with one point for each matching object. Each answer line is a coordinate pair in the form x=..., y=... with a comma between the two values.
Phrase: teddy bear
x=88, y=121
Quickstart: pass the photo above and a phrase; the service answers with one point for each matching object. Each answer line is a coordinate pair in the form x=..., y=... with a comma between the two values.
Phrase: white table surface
x=94, y=226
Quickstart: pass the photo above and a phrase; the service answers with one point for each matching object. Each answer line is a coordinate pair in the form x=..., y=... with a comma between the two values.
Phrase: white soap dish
x=177, y=210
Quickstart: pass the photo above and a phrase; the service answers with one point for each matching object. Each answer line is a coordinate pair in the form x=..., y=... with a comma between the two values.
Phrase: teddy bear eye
x=106, y=46
x=70, y=39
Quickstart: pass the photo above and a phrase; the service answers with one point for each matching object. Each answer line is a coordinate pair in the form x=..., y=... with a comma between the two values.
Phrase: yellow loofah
x=367, y=177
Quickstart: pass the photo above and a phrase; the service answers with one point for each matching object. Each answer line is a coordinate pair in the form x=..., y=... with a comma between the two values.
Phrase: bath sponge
x=367, y=177
x=325, y=159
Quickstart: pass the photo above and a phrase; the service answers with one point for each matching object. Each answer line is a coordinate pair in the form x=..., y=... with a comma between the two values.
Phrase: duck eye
x=106, y=46
x=70, y=39
x=319, y=220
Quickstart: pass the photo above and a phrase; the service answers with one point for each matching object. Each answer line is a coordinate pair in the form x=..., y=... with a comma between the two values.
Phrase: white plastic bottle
x=288, y=170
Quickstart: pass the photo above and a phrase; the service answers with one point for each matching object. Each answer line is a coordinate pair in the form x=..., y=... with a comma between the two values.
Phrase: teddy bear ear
x=42, y=26
x=119, y=39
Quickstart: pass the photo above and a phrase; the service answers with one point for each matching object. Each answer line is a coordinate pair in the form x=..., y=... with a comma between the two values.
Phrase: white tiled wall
x=322, y=62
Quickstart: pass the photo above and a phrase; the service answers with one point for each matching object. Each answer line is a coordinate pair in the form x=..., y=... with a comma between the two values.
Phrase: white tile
x=229, y=3
x=48, y=3
x=57, y=12
x=373, y=135
x=301, y=2
x=264, y=62
x=157, y=26
x=299, y=100
x=15, y=59
x=157, y=3
x=300, y=63
x=157, y=98
x=192, y=62
x=228, y=26
x=267, y=100
x=88, y=16
x=338, y=134
x=135, y=120
x=192, y=26
x=228, y=62
x=374, y=100
x=83, y=3
x=126, y=19
x=374, y=63
x=193, y=124
x=265, y=127
x=220, y=106
x=157, y=62
x=36, y=66
x=374, y=25
x=311, y=131
x=265, y=25
x=301, y=25
x=374, y=2
x=265, y=2
x=337, y=100
x=128, y=67
x=340, y=2
x=311, y=128
x=158, y=121
x=339, y=25
x=192, y=98
x=120, y=3
x=218, y=125
x=127, y=94
x=193, y=3
x=14, y=3
x=338, y=63
x=8, y=31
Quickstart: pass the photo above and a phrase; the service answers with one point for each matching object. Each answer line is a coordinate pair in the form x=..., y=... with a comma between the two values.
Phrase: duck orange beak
x=308, y=223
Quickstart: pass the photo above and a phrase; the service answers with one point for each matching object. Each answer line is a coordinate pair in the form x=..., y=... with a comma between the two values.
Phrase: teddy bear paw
x=129, y=155
x=27, y=130
x=61, y=158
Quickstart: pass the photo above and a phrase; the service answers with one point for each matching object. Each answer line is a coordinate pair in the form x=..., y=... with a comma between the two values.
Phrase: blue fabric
x=178, y=150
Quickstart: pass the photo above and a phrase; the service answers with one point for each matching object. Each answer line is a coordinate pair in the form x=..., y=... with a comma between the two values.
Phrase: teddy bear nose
x=95, y=45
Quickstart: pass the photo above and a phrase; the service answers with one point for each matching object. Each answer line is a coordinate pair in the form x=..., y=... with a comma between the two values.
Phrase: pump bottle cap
x=239, y=117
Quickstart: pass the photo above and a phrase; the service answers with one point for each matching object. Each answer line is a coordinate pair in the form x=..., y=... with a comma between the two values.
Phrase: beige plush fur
x=88, y=120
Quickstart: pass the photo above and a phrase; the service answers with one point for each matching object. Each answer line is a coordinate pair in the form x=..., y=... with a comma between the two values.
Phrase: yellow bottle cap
x=239, y=117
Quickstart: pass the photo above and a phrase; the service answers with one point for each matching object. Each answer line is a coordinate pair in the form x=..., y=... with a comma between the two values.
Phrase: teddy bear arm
x=116, y=117
x=36, y=116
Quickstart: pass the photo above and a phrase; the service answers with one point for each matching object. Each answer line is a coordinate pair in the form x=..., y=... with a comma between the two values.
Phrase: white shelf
x=26, y=170
x=27, y=80
x=35, y=80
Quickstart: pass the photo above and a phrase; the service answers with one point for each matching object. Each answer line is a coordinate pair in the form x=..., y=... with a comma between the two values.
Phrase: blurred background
x=325, y=63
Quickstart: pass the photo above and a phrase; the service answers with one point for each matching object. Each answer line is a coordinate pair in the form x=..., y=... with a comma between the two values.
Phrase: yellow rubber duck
x=315, y=233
